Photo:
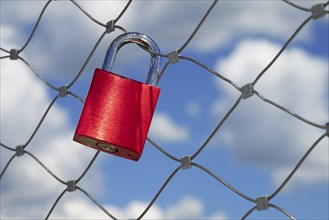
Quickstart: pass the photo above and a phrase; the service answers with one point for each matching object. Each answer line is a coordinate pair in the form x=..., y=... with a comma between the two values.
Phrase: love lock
x=118, y=111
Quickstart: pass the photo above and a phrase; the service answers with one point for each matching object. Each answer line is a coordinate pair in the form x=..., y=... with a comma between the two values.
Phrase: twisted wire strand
x=76, y=182
x=248, y=212
x=303, y=8
x=223, y=182
x=88, y=167
x=31, y=137
x=35, y=26
x=77, y=97
x=95, y=20
x=159, y=192
x=4, y=57
x=5, y=146
x=288, y=111
x=87, y=60
x=281, y=50
x=40, y=122
x=297, y=166
x=211, y=71
x=37, y=74
x=55, y=203
x=123, y=11
x=66, y=190
x=45, y=167
x=297, y=6
x=198, y=26
x=87, y=14
x=7, y=165
x=121, y=28
x=9, y=161
x=213, y=133
x=96, y=202
x=283, y=211
x=163, y=71
x=162, y=150
x=270, y=205
x=4, y=50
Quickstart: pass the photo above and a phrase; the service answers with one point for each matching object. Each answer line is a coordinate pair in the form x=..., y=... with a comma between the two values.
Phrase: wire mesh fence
x=261, y=203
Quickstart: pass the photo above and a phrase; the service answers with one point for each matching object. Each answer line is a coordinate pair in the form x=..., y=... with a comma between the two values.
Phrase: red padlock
x=117, y=114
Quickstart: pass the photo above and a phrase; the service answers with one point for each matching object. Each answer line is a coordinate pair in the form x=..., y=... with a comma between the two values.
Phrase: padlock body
x=117, y=115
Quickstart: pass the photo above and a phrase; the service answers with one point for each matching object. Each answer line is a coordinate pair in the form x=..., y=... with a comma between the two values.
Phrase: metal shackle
x=142, y=40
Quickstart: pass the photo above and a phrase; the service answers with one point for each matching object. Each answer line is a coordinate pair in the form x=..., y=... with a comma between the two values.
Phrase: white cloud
x=228, y=22
x=61, y=45
x=79, y=207
x=163, y=128
x=263, y=135
x=185, y=208
x=135, y=208
x=23, y=103
x=24, y=99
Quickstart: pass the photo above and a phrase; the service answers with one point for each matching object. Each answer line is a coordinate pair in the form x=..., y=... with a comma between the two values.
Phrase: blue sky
x=254, y=151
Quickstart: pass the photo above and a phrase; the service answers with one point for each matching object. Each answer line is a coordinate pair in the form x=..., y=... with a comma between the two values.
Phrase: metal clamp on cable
x=71, y=186
x=110, y=26
x=186, y=162
x=262, y=203
x=318, y=11
x=20, y=150
x=13, y=54
x=63, y=91
x=247, y=91
x=173, y=57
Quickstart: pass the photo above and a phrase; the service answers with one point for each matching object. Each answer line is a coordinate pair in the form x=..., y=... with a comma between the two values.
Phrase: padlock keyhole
x=104, y=146
x=107, y=147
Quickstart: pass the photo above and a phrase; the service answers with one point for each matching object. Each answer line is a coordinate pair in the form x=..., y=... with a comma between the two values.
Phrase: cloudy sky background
x=254, y=151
